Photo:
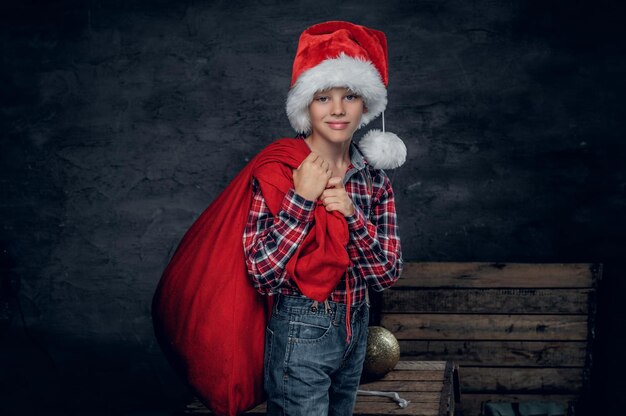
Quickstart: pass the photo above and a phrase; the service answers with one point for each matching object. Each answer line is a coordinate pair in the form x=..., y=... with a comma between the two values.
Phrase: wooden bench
x=431, y=387
x=519, y=332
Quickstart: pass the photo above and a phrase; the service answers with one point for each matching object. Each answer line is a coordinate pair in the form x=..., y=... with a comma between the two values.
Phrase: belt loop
x=326, y=307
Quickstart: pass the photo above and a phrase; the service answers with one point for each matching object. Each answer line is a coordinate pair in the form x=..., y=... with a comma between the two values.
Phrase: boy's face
x=336, y=114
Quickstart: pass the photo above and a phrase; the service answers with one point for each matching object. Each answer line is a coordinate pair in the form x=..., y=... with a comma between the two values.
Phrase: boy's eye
x=351, y=97
x=322, y=98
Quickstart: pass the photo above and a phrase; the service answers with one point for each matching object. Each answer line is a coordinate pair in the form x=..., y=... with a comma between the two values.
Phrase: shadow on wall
x=64, y=375
x=44, y=371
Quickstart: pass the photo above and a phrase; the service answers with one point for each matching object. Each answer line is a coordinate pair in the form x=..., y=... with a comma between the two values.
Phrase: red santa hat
x=342, y=54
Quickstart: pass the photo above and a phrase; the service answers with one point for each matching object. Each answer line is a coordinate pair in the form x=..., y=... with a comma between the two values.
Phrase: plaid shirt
x=374, y=246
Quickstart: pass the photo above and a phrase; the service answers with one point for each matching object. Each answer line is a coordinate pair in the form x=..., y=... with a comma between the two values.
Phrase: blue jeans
x=310, y=367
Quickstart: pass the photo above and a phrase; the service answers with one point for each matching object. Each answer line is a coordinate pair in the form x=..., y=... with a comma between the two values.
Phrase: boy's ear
x=365, y=110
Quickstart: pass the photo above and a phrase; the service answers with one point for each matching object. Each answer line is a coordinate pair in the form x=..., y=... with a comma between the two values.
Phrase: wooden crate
x=518, y=331
x=431, y=387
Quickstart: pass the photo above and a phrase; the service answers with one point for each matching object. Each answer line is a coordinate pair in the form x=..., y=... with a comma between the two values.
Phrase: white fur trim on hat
x=356, y=74
x=383, y=150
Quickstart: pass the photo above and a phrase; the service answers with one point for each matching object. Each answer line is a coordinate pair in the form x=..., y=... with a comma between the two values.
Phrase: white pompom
x=383, y=150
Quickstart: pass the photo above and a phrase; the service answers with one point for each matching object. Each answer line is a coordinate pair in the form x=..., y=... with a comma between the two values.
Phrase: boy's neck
x=335, y=153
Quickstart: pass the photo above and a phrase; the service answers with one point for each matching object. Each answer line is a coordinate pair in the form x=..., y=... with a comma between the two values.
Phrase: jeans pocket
x=309, y=327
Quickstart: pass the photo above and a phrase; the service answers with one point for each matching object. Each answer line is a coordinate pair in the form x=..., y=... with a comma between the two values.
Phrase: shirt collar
x=356, y=157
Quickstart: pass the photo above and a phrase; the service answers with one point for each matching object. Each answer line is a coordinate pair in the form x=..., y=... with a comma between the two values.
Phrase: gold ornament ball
x=383, y=352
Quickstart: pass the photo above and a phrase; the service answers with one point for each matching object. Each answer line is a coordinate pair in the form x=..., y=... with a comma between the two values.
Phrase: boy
x=331, y=233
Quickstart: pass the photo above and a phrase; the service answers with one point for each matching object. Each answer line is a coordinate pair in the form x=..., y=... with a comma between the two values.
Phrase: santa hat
x=342, y=54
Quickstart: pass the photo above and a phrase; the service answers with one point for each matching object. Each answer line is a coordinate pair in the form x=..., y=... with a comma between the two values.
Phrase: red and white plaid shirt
x=374, y=246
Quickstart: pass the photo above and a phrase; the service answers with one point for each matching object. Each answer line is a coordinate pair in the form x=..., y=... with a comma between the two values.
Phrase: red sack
x=208, y=318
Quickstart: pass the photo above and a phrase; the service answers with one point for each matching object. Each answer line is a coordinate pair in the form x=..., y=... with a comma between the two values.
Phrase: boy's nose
x=337, y=107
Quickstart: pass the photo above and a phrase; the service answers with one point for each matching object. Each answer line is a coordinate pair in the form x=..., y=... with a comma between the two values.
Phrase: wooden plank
x=413, y=375
x=413, y=397
x=420, y=365
x=511, y=301
x=497, y=275
x=259, y=410
x=402, y=385
x=498, y=353
x=415, y=409
x=518, y=380
x=197, y=408
x=451, y=392
x=471, y=404
x=487, y=327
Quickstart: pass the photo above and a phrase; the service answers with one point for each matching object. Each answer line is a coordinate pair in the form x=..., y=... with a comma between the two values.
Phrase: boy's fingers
x=311, y=157
x=334, y=181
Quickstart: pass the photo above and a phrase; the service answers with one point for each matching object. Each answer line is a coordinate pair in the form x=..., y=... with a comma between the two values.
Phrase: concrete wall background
x=122, y=121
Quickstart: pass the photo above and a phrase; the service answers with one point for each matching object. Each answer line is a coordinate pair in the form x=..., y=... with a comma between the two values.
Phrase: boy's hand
x=335, y=198
x=311, y=177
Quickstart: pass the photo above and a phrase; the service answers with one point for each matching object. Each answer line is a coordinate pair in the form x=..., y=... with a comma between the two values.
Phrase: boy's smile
x=338, y=125
x=335, y=114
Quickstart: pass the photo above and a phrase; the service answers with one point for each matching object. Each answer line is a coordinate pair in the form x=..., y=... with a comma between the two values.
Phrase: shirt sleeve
x=377, y=239
x=269, y=242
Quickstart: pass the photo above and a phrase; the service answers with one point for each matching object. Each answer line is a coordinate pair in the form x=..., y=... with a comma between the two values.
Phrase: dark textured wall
x=121, y=121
